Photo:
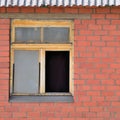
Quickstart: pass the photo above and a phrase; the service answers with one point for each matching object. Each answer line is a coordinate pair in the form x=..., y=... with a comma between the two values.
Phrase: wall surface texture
x=96, y=67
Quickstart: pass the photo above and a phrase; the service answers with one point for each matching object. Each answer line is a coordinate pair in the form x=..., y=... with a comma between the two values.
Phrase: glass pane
x=27, y=34
x=56, y=35
x=57, y=71
x=26, y=72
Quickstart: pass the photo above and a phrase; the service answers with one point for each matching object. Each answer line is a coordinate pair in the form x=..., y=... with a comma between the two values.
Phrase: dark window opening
x=57, y=71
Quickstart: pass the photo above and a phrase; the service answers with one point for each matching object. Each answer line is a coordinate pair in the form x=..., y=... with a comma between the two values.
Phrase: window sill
x=49, y=98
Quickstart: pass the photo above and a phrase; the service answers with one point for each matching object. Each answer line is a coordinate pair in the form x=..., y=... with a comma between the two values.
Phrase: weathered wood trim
x=44, y=16
x=44, y=47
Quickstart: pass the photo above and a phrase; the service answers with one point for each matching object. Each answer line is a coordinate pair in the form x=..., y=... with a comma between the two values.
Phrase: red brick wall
x=96, y=69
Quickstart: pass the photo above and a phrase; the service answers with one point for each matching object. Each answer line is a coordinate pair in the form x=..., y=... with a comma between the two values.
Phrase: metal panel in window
x=56, y=35
x=30, y=35
x=26, y=72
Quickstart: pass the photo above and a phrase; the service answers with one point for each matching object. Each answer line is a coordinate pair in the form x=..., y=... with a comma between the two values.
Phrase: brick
x=103, y=22
x=85, y=10
x=93, y=38
x=108, y=82
x=86, y=65
x=98, y=16
x=66, y=109
x=84, y=98
x=102, y=103
x=115, y=10
x=87, y=76
x=101, y=43
x=108, y=38
x=115, y=65
x=5, y=43
x=19, y=114
x=13, y=9
x=100, y=54
x=93, y=82
x=114, y=32
x=27, y=9
x=80, y=38
x=4, y=76
x=97, y=87
x=77, y=21
x=101, y=33
x=103, y=114
x=52, y=118
x=4, y=32
x=2, y=9
x=102, y=65
x=85, y=87
x=112, y=98
x=84, y=43
x=107, y=93
x=102, y=10
x=4, y=59
x=5, y=115
x=98, y=98
x=86, y=32
x=93, y=93
x=118, y=82
x=76, y=115
x=34, y=114
x=11, y=109
x=4, y=37
x=5, y=21
x=84, y=22
x=82, y=109
x=71, y=10
x=115, y=22
x=77, y=82
x=4, y=53
x=4, y=49
x=108, y=60
x=90, y=114
x=42, y=10
x=101, y=76
x=94, y=70
x=115, y=103
x=63, y=114
x=56, y=9
x=109, y=27
x=86, y=54
x=4, y=26
x=109, y=50
x=94, y=27
x=93, y=49
x=97, y=109
x=113, y=87
x=114, y=109
x=112, y=16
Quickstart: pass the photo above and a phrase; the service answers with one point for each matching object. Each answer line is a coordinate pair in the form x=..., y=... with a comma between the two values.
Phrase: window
x=41, y=58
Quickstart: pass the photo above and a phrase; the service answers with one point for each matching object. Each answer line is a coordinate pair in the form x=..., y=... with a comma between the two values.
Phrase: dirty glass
x=27, y=34
x=56, y=35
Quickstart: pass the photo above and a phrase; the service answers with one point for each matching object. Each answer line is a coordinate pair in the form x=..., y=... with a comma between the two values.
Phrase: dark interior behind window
x=57, y=71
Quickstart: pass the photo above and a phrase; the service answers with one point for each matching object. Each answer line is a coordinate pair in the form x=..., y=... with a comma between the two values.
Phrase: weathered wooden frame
x=42, y=48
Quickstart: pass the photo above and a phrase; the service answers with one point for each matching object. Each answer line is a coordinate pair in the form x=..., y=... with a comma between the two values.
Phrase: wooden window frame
x=42, y=48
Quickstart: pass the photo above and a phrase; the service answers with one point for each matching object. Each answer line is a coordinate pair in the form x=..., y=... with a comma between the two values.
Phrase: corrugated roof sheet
x=39, y=3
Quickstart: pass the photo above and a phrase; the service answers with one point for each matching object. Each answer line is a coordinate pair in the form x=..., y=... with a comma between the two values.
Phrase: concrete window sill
x=49, y=98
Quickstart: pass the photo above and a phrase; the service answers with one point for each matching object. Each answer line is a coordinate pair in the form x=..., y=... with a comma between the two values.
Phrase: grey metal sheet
x=26, y=76
x=38, y=3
